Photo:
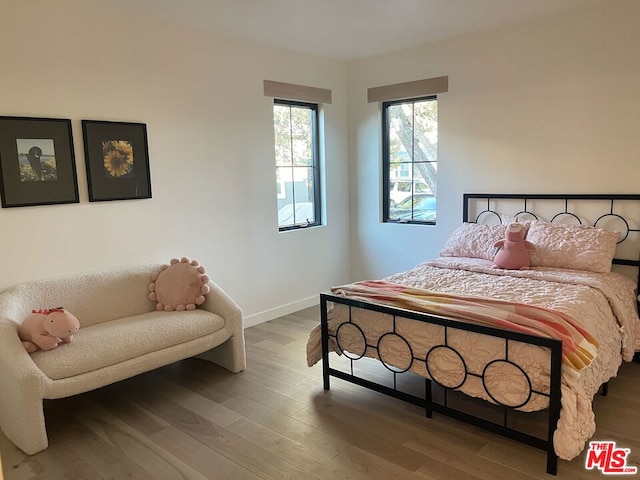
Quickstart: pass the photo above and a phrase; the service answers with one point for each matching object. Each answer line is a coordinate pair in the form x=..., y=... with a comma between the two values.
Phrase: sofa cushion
x=181, y=285
x=109, y=343
x=93, y=297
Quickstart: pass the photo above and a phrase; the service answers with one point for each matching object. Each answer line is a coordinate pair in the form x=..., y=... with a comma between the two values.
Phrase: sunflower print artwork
x=118, y=158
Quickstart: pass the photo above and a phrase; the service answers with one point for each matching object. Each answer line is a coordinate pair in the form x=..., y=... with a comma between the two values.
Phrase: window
x=410, y=160
x=297, y=174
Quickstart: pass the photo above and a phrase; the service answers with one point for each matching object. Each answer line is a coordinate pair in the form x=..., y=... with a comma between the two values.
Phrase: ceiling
x=349, y=29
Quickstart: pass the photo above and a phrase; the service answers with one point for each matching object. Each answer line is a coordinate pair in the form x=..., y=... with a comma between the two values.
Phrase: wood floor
x=194, y=420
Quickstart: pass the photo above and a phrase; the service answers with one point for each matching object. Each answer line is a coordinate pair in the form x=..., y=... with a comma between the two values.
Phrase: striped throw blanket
x=579, y=348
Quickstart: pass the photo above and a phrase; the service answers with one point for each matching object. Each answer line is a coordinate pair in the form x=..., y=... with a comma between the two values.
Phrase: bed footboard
x=435, y=396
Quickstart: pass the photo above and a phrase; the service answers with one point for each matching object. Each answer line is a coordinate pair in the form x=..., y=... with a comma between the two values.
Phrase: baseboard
x=272, y=313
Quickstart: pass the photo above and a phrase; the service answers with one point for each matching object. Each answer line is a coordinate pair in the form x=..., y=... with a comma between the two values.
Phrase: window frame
x=315, y=160
x=386, y=178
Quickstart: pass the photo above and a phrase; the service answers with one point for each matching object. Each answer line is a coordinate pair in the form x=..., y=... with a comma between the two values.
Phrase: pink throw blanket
x=579, y=347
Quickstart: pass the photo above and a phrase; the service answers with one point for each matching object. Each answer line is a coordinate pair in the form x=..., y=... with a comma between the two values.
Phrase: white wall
x=545, y=106
x=211, y=153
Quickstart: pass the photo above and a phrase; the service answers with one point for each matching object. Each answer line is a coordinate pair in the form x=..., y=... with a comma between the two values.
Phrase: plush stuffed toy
x=46, y=329
x=514, y=249
x=179, y=286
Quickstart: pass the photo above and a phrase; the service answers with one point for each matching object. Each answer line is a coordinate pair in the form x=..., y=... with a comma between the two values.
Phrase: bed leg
x=325, y=375
x=552, y=463
x=324, y=327
x=428, y=398
x=605, y=389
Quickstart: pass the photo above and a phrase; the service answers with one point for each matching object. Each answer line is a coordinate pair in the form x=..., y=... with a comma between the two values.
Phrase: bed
x=526, y=344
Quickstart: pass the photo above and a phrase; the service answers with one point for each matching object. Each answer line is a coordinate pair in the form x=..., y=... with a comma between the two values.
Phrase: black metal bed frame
x=426, y=400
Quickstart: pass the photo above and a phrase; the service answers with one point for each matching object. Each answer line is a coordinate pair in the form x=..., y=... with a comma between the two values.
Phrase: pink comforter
x=604, y=304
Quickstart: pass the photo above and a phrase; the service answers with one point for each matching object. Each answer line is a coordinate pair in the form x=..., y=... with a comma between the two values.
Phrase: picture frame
x=37, y=162
x=117, y=159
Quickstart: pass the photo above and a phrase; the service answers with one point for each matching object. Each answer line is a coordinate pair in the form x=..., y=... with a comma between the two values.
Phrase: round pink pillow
x=181, y=285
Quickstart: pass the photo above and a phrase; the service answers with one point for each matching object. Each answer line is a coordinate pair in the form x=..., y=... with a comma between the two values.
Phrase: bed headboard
x=619, y=212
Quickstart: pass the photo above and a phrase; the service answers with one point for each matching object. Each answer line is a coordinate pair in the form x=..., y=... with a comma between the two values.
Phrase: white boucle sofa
x=121, y=335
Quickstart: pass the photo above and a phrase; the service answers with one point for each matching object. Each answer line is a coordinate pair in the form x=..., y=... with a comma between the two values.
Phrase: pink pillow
x=473, y=240
x=179, y=286
x=577, y=247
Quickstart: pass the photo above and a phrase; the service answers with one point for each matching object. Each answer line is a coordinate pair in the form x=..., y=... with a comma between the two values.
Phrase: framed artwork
x=117, y=158
x=37, y=162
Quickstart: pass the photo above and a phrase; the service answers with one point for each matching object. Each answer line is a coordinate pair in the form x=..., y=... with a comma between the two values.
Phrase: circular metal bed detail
x=523, y=213
x=433, y=374
x=573, y=215
x=493, y=364
x=489, y=212
x=617, y=218
x=358, y=332
x=391, y=337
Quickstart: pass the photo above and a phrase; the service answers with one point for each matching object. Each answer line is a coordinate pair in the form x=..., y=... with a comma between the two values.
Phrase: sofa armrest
x=23, y=387
x=219, y=302
x=230, y=355
x=16, y=365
